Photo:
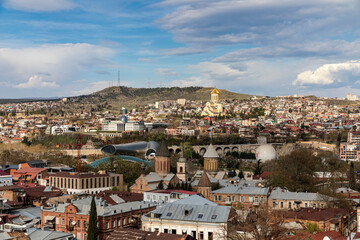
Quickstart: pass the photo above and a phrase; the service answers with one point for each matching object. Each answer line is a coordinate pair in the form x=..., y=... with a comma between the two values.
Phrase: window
x=262, y=199
x=210, y=236
x=256, y=199
x=242, y=199
x=314, y=205
x=250, y=199
x=166, y=230
x=281, y=204
x=215, y=198
x=200, y=215
x=173, y=231
x=306, y=205
x=193, y=234
x=201, y=235
x=213, y=216
x=107, y=225
x=113, y=224
x=233, y=198
x=118, y=222
x=274, y=204
x=228, y=198
x=289, y=204
x=168, y=214
x=219, y=197
x=156, y=229
x=322, y=205
x=63, y=221
x=85, y=236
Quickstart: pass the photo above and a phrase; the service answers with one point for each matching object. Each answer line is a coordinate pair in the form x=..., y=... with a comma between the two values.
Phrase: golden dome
x=215, y=91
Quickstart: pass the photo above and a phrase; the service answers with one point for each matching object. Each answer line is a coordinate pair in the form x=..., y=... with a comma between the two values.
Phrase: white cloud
x=217, y=22
x=63, y=63
x=166, y=72
x=37, y=81
x=329, y=74
x=90, y=87
x=39, y=5
x=183, y=51
x=192, y=82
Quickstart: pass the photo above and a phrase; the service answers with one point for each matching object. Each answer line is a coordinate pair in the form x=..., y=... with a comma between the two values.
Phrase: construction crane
x=78, y=146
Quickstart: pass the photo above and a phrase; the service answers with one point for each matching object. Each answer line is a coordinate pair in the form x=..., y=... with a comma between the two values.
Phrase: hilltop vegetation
x=134, y=97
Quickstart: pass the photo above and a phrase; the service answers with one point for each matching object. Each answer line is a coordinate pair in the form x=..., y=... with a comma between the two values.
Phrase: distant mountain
x=133, y=97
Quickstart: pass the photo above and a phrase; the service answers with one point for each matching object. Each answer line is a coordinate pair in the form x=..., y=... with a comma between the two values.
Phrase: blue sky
x=52, y=48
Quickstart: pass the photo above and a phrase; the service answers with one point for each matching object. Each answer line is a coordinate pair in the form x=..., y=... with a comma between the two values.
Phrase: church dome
x=211, y=152
x=123, y=118
x=265, y=152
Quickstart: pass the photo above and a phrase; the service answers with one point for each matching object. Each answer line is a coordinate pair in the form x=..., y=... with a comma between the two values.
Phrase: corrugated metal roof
x=280, y=194
x=193, y=213
x=242, y=190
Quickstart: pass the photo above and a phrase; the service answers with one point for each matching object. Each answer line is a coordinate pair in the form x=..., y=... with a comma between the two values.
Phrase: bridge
x=224, y=148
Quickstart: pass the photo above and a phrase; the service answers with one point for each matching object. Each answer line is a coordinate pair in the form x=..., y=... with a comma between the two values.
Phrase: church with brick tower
x=161, y=172
x=211, y=161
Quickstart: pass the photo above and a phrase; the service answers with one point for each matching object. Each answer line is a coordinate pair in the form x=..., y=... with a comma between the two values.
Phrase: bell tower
x=211, y=163
x=181, y=168
x=162, y=160
x=215, y=95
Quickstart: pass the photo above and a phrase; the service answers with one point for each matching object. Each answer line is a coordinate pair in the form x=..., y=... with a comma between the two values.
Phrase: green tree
x=160, y=185
x=352, y=181
x=170, y=186
x=258, y=168
x=241, y=174
x=295, y=171
x=92, y=232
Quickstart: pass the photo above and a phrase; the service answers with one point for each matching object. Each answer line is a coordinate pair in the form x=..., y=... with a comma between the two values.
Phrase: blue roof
x=123, y=157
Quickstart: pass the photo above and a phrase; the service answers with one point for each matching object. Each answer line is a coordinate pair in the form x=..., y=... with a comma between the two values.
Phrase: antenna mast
x=119, y=78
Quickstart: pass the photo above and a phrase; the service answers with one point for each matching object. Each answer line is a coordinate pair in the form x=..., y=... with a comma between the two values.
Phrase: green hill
x=133, y=97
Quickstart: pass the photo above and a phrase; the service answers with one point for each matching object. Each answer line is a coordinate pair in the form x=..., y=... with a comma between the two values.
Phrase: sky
x=57, y=48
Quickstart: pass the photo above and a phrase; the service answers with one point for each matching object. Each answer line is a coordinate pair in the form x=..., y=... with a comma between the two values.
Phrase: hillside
x=122, y=96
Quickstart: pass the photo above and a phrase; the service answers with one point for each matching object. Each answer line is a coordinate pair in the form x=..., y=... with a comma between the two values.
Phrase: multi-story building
x=241, y=196
x=354, y=137
x=113, y=126
x=6, y=180
x=349, y=152
x=73, y=216
x=166, y=195
x=194, y=215
x=282, y=199
x=14, y=195
x=73, y=182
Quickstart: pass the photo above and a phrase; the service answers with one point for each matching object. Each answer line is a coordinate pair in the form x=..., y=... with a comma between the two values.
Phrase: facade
x=73, y=182
x=353, y=137
x=73, y=216
x=282, y=199
x=30, y=174
x=194, y=215
x=135, y=126
x=113, y=126
x=14, y=195
x=241, y=197
x=211, y=162
x=6, y=180
x=166, y=195
x=349, y=152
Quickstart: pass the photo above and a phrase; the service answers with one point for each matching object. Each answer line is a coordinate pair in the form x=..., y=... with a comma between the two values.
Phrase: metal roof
x=242, y=190
x=211, y=152
x=195, y=213
x=280, y=194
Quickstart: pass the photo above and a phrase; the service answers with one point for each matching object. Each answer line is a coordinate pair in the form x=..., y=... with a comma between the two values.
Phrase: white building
x=135, y=126
x=6, y=180
x=193, y=215
x=166, y=195
x=113, y=126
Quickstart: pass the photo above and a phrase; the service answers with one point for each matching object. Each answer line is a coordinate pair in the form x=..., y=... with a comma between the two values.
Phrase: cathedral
x=213, y=107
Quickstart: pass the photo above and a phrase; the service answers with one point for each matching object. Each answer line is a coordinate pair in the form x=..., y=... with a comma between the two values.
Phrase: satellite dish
x=326, y=238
